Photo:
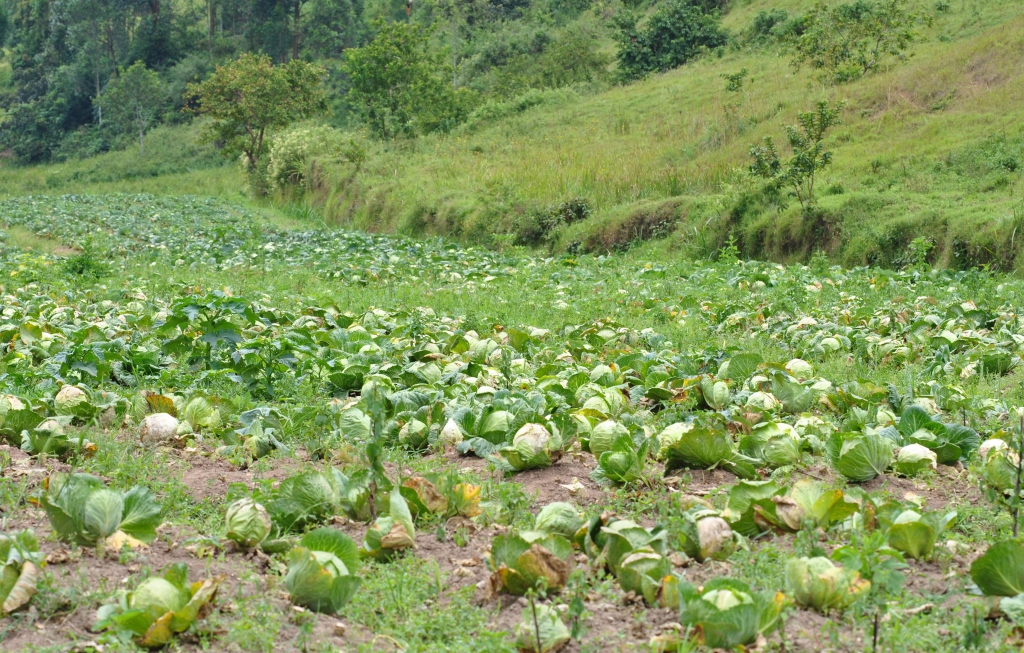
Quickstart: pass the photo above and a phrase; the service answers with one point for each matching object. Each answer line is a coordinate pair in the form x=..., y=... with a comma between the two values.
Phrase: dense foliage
x=399, y=70
x=803, y=390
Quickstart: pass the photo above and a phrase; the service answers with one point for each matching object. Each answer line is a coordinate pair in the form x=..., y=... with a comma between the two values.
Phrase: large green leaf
x=702, y=447
x=141, y=514
x=863, y=457
x=1000, y=570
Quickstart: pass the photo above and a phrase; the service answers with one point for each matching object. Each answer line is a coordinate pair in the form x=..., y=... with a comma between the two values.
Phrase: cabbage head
x=914, y=534
x=913, y=459
x=533, y=447
x=818, y=583
x=860, y=456
x=248, y=523
x=604, y=435
x=559, y=518
x=159, y=608
x=322, y=571
x=545, y=624
x=83, y=510
x=723, y=614
x=75, y=402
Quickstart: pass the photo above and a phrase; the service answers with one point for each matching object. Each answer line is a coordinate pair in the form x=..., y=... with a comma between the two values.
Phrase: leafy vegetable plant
x=322, y=571
x=529, y=560
x=819, y=584
x=83, y=510
x=723, y=614
x=159, y=608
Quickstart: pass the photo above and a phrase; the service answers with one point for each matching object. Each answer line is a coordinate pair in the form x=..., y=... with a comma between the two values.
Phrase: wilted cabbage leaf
x=19, y=571
x=706, y=535
x=392, y=533
x=529, y=560
x=807, y=502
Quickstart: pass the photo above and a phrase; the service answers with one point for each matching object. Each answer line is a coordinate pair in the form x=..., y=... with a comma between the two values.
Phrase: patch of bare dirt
x=947, y=487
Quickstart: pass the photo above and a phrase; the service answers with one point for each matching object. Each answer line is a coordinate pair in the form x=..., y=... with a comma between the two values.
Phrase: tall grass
x=671, y=135
x=175, y=163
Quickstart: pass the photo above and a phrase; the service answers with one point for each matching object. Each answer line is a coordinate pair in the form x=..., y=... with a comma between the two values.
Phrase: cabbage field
x=226, y=432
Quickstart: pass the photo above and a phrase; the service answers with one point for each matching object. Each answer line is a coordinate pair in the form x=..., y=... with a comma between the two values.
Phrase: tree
x=809, y=155
x=676, y=32
x=332, y=26
x=250, y=96
x=132, y=99
x=394, y=87
x=850, y=40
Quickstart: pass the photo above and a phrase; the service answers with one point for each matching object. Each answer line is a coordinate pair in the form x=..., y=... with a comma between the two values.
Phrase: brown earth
x=615, y=622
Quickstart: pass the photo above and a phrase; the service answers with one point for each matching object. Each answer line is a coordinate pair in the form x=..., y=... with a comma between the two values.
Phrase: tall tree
x=250, y=96
x=132, y=99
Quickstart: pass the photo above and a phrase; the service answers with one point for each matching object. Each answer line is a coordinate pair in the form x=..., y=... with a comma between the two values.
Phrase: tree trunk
x=99, y=106
x=110, y=49
x=212, y=7
x=154, y=9
x=142, y=128
x=296, y=30
x=455, y=53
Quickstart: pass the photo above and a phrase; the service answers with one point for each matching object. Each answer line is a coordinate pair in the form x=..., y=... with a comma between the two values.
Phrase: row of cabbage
x=323, y=563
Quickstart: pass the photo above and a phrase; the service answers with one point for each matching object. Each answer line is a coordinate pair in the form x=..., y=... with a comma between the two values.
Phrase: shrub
x=293, y=152
x=535, y=227
x=797, y=176
x=676, y=32
x=850, y=40
x=395, y=87
x=767, y=25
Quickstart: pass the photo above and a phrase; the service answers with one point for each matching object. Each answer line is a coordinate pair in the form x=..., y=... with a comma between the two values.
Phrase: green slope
x=932, y=147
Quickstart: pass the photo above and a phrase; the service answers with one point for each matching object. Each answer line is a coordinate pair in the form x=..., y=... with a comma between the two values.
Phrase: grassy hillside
x=175, y=163
x=931, y=147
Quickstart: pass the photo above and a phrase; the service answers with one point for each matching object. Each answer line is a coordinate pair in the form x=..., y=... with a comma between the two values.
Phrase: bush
x=293, y=152
x=676, y=32
x=396, y=88
x=770, y=25
x=850, y=40
x=536, y=227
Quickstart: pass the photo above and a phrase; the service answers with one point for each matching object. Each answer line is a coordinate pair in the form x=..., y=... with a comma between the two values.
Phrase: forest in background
x=582, y=127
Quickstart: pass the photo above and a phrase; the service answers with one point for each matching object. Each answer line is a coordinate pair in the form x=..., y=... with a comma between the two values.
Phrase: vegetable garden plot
x=858, y=427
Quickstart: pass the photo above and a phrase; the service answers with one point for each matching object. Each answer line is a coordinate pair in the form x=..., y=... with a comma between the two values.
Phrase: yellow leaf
x=23, y=589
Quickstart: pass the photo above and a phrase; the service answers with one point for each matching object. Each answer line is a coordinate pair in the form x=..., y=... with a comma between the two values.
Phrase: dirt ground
x=614, y=625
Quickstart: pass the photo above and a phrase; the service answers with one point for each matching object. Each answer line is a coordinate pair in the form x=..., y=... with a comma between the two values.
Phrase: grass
x=628, y=148
x=175, y=163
